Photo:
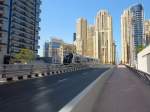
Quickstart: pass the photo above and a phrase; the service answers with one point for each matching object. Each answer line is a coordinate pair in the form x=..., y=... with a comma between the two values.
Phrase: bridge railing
x=20, y=71
x=142, y=75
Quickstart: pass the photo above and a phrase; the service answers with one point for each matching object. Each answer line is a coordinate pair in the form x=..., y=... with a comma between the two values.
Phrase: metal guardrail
x=142, y=75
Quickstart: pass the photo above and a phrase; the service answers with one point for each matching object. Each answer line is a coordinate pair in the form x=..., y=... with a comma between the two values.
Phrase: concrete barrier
x=23, y=72
x=85, y=101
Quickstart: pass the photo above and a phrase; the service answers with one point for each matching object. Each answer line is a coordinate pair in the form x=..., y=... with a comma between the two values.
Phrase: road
x=48, y=94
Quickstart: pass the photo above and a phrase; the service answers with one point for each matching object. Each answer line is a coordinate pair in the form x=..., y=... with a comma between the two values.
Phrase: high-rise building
x=19, y=27
x=146, y=32
x=90, y=40
x=126, y=35
x=96, y=40
x=132, y=33
x=81, y=36
x=3, y=28
x=137, y=13
x=103, y=42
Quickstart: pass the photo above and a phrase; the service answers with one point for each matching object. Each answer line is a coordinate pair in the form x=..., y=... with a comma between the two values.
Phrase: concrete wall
x=144, y=60
x=10, y=73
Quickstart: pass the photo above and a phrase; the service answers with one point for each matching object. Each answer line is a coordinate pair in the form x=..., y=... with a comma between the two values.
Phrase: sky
x=58, y=17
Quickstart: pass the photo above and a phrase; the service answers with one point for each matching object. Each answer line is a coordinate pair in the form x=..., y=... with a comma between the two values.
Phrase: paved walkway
x=124, y=92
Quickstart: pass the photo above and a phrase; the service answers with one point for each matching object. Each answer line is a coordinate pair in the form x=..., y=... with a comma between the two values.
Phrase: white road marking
x=85, y=73
x=42, y=88
x=62, y=80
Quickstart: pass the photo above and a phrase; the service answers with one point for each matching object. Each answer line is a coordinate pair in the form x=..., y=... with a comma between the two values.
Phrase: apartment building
x=81, y=36
x=104, y=37
x=126, y=36
x=90, y=40
x=19, y=27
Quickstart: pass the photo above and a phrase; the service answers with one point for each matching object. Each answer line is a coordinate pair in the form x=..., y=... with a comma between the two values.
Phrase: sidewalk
x=124, y=92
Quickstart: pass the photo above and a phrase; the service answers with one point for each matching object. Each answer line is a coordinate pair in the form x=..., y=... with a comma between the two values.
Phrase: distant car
x=68, y=59
x=75, y=58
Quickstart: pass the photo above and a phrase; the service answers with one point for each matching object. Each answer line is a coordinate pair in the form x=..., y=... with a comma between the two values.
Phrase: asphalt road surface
x=48, y=94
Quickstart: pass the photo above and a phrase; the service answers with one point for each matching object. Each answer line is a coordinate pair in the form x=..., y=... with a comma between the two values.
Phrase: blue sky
x=59, y=17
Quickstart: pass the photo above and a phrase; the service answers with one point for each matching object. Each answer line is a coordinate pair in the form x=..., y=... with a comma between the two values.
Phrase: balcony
x=3, y=30
x=23, y=30
x=2, y=44
x=16, y=43
x=22, y=41
x=25, y=4
x=24, y=14
x=27, y=27
x=22, y=36
x=3, y=17
x=19, y=8
x=23, y=19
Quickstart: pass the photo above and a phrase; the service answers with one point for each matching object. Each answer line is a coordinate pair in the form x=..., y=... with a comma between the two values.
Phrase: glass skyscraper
x=137, y=13
x=137, y=27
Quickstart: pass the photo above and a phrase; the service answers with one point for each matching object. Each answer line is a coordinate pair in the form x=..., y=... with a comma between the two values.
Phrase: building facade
x=146, y=32
x=66, y=49
x=4, y=14
x=96, y=40
x=46, y=49
x=126, y=35
x=19, y=27
x=90, y=40
x=137, y=13
x=103, y=42
x=81, y=36
x=57, y=49
x=132, y=33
